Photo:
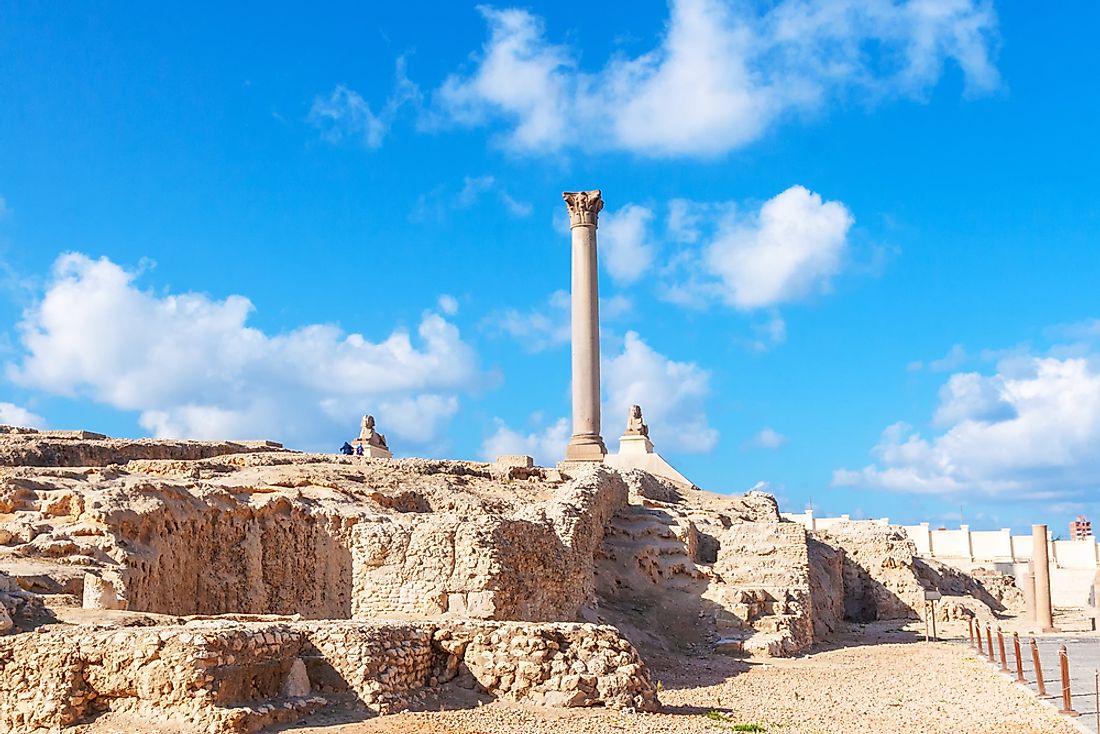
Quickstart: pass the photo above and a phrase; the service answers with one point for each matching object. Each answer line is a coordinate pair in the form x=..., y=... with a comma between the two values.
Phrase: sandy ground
x=891, y=683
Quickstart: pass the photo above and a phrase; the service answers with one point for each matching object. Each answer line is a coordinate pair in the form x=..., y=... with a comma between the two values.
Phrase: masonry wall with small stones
x=235, y=677
x=533, y=565
x=763, y=584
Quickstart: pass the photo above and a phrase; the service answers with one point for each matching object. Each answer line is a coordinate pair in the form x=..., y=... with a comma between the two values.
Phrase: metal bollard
x=989, y=643
x=1019, y=661
x=970, y=629
x=1001, y=649
x=979, y=638
x=1038, y=668
x=1067, y=703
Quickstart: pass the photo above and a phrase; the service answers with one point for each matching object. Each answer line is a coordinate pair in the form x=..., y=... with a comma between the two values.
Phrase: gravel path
x=897, y=686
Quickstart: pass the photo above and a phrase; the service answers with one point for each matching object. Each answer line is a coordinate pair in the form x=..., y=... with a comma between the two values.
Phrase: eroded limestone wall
x=229, y=677
x=763, y=575
x=535, y=564
x=52, y=449
x=185, y=554
x=880, y=579
x=826, y=586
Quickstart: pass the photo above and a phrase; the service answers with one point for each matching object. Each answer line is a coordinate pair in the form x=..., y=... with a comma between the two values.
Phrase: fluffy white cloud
x=13, y=415
x=448, y=304
x=343, y=114
x=672, y=395
x=519, y=74
x=537, y=329
x=548, y=326
x=192, y=367
x=969, y=396
x=546, y=445
x=1028, y=431
x=768, y=438
x=790, y=249
x=722, y=74
x=625, y=243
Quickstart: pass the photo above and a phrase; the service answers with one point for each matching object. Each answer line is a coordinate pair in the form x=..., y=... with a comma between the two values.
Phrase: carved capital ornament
x=584, y=207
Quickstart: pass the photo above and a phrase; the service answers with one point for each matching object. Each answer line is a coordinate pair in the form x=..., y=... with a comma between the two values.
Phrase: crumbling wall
x=79, y=448
x=534, y=565
x=231, y=677
x=880, y=577
x=552, y=664
x=179, y=553
x=762, y=583
x=687, y=570
x=826, y=587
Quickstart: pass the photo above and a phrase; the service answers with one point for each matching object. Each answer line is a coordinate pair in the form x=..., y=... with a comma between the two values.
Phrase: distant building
x=1080, y=528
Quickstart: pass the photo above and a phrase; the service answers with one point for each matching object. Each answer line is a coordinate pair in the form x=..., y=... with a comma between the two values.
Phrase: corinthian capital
x=584, y=207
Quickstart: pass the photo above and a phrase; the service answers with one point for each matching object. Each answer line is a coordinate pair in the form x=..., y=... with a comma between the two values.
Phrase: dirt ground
x=893, y=683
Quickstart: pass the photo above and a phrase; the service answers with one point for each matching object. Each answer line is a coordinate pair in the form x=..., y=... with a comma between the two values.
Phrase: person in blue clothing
x=346, y=449
x=359, y=450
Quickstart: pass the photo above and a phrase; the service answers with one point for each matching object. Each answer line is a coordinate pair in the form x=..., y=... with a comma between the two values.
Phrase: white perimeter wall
x=1073, y=563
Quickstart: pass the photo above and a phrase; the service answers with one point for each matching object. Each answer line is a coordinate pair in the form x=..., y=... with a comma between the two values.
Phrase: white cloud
x=472, y=189
x=787, y=251
x=448, y=304
x=520, y=75
x=770, y=333
x=13, y=415
x=722, y=75
x=970, y=396
x=625, y=242
x=549, y=325
x=955, y=358
x=514, y=206
x=546, y=445
x=768, y=438
x=1028, y=431
x=537, y=329
x=344, y=114
x=672, y=394
x=436, y=204
x=192, y=367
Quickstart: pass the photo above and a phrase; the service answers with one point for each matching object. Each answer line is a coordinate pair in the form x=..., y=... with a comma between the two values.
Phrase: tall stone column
x=586, y=444
x=1044, y=613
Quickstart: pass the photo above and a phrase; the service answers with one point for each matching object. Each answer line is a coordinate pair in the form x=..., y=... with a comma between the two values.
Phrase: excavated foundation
x=389, y=578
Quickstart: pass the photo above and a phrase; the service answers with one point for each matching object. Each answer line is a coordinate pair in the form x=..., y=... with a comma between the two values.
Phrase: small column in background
x=1044, y=612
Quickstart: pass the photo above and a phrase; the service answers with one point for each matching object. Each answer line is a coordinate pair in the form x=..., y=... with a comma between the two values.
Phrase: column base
x=585, y=448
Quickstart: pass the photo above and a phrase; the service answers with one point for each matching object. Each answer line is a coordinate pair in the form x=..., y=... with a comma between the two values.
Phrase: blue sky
x=848, y=248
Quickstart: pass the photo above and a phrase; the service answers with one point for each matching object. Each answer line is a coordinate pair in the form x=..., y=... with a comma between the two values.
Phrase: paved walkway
x=1084, y=662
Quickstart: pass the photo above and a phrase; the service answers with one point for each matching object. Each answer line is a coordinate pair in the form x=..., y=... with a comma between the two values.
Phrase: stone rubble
x=236, y=677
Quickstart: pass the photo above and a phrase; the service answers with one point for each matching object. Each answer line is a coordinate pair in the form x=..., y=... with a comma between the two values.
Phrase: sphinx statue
x=635, y=426
x=370, y=442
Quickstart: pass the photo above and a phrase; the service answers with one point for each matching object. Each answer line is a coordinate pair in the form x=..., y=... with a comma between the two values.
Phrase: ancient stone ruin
x=232, y=586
